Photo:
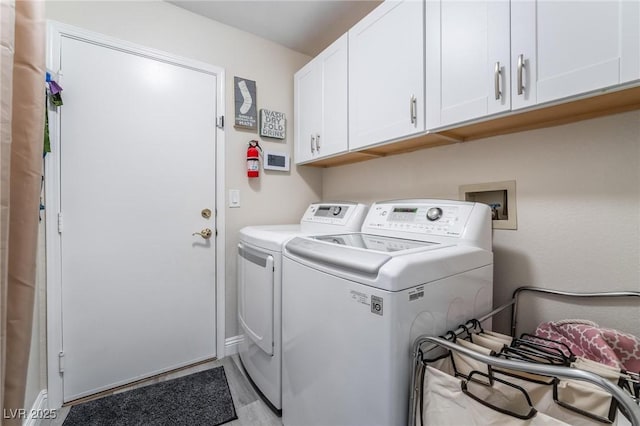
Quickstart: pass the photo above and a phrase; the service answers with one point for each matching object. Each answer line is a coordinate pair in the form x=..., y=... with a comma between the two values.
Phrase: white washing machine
x=259, y=278
x=354, y=303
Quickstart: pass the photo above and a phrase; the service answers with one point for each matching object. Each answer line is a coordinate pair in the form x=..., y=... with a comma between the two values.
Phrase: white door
x=386, y=74
x=137, y=169
x=467, y=60
x=567, y=48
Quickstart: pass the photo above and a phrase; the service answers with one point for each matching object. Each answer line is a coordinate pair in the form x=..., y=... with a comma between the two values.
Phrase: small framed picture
x=245, y=103
x=272, y=124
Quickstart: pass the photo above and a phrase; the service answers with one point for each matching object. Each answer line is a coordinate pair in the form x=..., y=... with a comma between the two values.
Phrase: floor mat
x=197, y=399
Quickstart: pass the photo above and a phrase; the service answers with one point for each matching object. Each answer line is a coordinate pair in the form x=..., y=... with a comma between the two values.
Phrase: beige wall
x=273, y=198
x=578, y=200
x=578, y=186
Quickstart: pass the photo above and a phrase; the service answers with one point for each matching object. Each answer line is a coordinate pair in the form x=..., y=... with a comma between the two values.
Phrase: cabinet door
x=567, y=48
x=334, y=135
x=467, y=60
x=308, y=101
x=386, y=74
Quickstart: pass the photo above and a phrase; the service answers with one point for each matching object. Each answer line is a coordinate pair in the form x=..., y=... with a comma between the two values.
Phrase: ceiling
x=306, y=26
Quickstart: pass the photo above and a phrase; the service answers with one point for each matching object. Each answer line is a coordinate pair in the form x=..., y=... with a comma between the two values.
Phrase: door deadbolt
x=206, y=213
x=205, y=233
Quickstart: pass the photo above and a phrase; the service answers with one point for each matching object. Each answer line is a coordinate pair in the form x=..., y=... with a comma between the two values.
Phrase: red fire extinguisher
x=253, y=159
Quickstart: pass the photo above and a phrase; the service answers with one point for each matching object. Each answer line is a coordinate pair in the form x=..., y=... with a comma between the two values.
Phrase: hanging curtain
x=22, y=101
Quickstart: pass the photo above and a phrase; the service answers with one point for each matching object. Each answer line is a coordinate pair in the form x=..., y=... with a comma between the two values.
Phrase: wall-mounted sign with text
x=245, y=101
x=272, y=124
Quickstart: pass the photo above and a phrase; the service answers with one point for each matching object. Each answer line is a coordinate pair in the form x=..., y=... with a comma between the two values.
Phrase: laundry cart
x=565, y=372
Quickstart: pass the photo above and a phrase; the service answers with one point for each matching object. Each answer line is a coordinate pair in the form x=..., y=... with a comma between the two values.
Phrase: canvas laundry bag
x=445, y=404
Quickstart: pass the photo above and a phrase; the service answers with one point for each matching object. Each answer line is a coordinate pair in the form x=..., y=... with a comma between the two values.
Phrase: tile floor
x=250, y=408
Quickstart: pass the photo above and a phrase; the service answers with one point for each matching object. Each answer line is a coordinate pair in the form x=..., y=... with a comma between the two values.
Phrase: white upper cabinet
x=321, y=104
x=487, y=57
x=566, y=48
x=467, y=60
x=386, y=74
x=412, y=66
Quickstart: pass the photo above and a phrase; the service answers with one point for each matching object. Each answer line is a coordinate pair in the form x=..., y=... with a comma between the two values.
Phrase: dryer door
x=255, y=296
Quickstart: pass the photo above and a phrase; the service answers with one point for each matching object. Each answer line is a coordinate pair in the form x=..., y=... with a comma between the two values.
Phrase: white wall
x=578, y=200
x=273, y=198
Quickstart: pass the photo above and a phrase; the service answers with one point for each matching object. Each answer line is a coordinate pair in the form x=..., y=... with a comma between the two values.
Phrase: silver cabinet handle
x=413, y=110
x=313, y=139
x=318, y=143
x=520, y=68
x=496, y=80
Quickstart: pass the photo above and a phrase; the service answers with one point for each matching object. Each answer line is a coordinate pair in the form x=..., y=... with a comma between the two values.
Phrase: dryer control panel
x=420, y=217
x=347, y=216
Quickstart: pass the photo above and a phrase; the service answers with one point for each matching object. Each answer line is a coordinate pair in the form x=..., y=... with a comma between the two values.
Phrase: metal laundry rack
x=425, y=344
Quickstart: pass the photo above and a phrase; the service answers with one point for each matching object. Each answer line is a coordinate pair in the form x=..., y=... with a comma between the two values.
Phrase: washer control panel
x=420, y=218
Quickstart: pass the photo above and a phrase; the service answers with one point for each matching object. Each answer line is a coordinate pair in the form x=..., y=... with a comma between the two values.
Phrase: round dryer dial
x=336, y=210
x=434, y=213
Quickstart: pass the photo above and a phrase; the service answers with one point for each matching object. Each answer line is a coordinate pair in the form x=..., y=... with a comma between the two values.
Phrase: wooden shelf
x=341, y=159
x=605, y=103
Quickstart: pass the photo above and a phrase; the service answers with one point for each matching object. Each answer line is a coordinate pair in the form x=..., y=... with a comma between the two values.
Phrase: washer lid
x=404, y=264
x=367, y=261
x=361, y=253
x=374, y=242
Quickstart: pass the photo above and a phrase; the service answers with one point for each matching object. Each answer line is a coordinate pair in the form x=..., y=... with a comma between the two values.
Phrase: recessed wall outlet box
x=499, y=196
x=276, y=161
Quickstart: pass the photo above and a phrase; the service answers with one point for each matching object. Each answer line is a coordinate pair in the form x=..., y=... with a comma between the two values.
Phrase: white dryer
x=259, y=278
x=354, y=303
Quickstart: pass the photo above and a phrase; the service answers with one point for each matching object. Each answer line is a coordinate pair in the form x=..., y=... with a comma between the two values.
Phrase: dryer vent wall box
x=499, y=196
x=276, y=161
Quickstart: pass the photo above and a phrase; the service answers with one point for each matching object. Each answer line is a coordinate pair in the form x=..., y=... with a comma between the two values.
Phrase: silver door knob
x=205, y=233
